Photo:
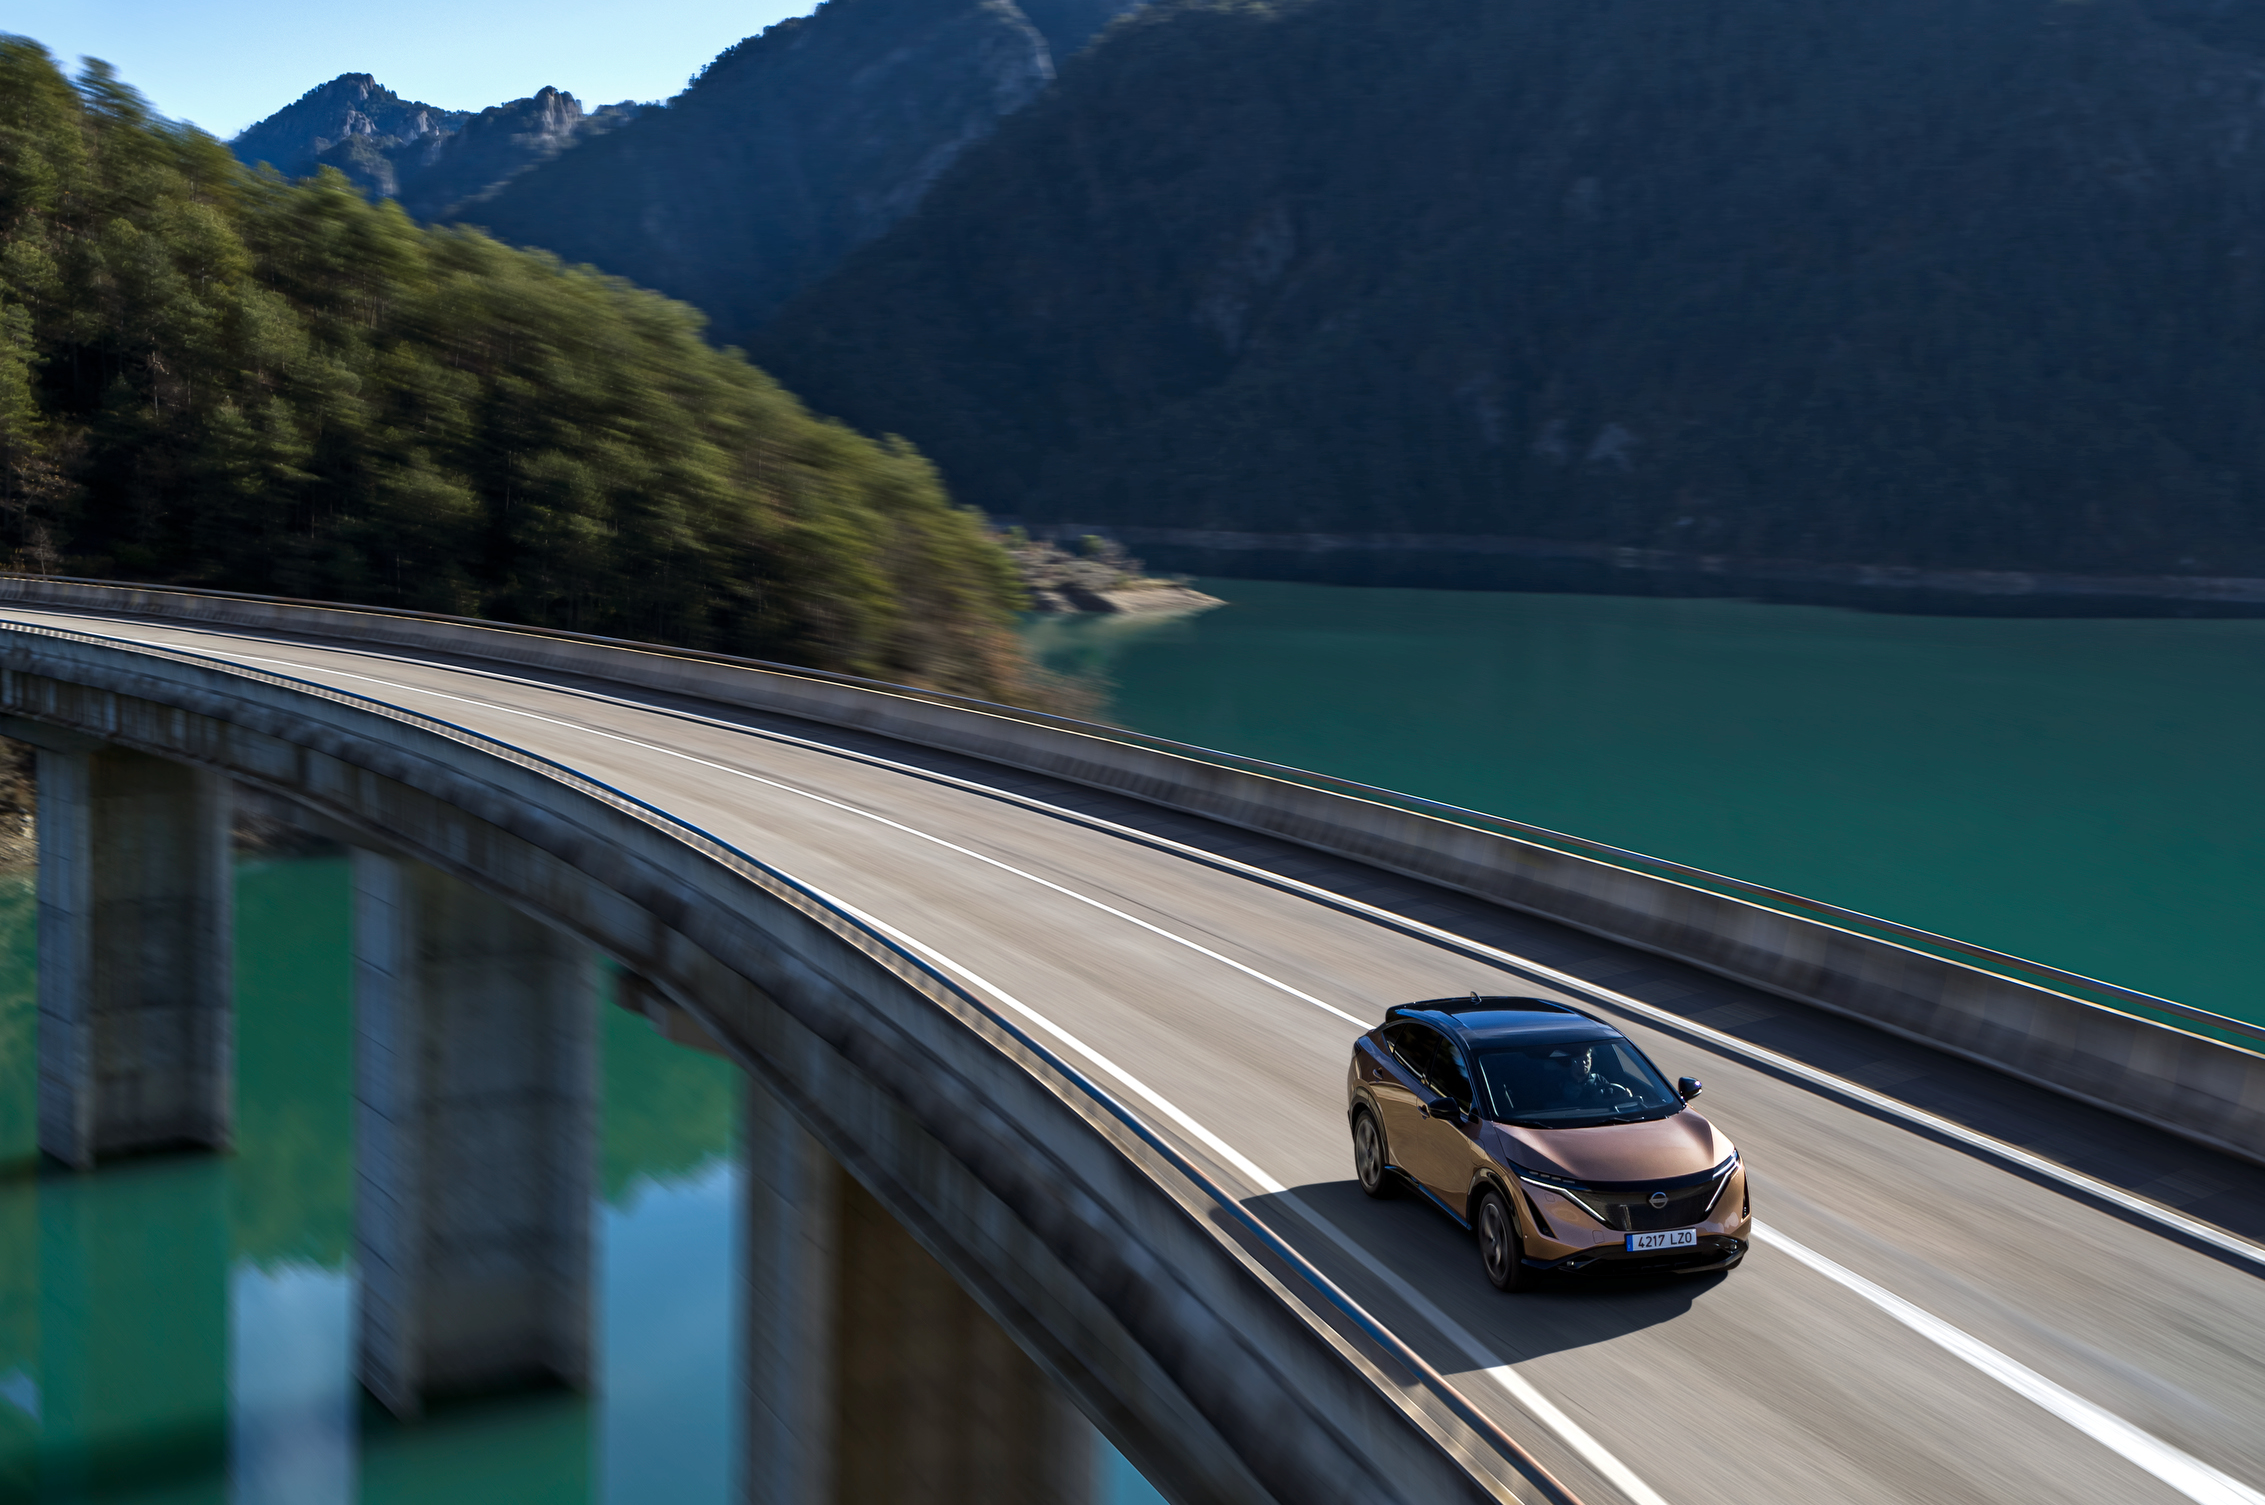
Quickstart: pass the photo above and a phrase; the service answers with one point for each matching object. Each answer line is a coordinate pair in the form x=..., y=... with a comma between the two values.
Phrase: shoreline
x=1482, y=562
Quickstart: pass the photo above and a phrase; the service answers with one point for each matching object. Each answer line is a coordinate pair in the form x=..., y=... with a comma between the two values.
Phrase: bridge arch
x=1220, y=1362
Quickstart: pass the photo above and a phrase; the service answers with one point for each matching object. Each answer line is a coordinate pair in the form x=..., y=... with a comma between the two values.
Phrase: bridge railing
x=2015, y=968
x=2093, y=1039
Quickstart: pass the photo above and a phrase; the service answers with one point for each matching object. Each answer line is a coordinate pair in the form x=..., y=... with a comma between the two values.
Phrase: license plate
x=1675, y=1238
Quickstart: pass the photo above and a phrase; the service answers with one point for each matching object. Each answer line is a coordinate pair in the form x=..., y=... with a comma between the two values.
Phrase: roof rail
x=1473, y=1003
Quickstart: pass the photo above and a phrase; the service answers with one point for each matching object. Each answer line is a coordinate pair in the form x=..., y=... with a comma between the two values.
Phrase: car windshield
x=1571, y=1083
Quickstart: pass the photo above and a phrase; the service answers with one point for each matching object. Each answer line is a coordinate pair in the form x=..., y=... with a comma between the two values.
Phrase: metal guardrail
x=897, y=958
x=2018, y=969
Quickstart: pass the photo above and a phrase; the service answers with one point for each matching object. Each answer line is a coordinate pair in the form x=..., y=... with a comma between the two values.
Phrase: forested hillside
x=792, y=148
x=1970, y=283
x=212, y=377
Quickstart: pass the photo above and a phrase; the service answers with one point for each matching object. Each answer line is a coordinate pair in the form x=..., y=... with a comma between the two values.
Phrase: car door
x=1401, y=1090
x=1432, y=1150
x=1450, y=1151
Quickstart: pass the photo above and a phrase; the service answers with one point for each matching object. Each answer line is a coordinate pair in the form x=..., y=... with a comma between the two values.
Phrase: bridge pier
x=136, y=920
x=476, y=1081
x=870, y=1375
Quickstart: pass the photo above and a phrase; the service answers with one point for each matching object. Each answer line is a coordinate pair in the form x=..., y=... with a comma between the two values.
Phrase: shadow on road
x=1424, y=1249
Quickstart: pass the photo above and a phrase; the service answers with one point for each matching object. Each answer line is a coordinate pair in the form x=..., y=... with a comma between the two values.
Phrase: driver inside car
x=1576, y=1084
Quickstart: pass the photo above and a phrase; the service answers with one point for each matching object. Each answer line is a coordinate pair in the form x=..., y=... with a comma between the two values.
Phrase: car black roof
x=1478, y=1019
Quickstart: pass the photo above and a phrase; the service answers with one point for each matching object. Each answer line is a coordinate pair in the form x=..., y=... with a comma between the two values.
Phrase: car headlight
x=1571, y=1191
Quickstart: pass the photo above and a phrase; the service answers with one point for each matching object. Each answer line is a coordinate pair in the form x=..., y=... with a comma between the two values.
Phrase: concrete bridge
x=1044, y=1029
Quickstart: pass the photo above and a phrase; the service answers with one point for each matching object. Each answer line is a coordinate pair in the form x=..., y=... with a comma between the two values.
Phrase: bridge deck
x=1209, y=966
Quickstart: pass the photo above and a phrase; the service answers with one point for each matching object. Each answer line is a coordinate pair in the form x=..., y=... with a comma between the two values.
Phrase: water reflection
x=132, y=1333
x=668, y=1253
x=292, y=1438
x=181, y=1328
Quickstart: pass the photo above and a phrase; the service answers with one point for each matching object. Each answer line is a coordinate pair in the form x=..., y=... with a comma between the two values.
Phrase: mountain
x=352, y=108
x=215, y=378
x=492, y=148
x=435, y=161
x=792, y=148
x=1954, y=284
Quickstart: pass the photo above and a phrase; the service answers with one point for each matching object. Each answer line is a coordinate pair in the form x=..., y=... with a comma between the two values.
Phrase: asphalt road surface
x=1963, y=1289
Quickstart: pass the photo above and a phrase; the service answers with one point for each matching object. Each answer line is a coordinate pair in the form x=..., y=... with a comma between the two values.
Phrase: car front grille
x=1629, y=1209
x=1632, y=1212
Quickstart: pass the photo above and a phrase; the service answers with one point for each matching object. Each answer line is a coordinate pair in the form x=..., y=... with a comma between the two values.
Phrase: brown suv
x=1548, y=1132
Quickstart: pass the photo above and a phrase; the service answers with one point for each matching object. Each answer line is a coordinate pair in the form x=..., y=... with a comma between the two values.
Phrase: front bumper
x=1575, y=1243
x=1714, y=1251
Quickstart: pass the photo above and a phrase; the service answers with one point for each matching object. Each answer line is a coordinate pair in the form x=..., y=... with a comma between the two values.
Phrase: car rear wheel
x=1501, y=1249
x=1368, y=1156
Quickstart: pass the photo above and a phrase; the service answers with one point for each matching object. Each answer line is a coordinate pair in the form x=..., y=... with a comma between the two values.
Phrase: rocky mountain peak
x=350, y=106
x=498, y=144
x=433, y=160
x=791, y=148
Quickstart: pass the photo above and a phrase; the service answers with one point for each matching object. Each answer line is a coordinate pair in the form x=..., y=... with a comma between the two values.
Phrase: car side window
x=1407, y=1043
x=1436, y=1062
x=1452, y=1081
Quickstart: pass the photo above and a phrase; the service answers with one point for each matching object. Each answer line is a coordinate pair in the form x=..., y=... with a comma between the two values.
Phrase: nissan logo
x=1659, y=1199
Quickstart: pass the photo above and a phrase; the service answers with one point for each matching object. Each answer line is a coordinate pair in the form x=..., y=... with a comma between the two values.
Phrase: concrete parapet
x=870, y=1374
x=136, y=919
x=2186, y=1083
x=476, y=1116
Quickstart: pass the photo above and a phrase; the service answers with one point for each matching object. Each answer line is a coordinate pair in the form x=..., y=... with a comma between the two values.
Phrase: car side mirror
x=1689, y=1086
x=1443, y=1109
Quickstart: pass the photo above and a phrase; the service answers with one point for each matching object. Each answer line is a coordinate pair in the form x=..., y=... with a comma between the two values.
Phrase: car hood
x=1681, y=1144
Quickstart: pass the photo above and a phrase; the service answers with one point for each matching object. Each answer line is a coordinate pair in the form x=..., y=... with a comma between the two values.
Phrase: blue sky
x=227, y=63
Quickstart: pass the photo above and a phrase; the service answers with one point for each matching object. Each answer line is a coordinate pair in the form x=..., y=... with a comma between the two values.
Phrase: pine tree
x=210, y=376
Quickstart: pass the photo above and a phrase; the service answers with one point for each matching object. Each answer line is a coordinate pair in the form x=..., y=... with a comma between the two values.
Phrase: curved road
x=1931, y=1315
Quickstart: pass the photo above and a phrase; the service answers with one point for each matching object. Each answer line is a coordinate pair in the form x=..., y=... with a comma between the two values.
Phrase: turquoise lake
x=2084, y=793
x=178, y=1329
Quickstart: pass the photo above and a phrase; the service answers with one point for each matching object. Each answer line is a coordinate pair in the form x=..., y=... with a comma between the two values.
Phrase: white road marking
x=642, y=745
x=2012, y=1154
x=1729, y=1044
x=2189, y=1475
x=1514, y=1384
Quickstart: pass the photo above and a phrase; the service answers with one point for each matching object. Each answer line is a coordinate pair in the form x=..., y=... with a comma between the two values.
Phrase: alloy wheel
x=1499, y=1247
x=1368, y=1155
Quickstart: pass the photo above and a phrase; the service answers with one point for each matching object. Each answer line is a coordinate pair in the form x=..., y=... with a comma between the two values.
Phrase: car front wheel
x=1501, y=1250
